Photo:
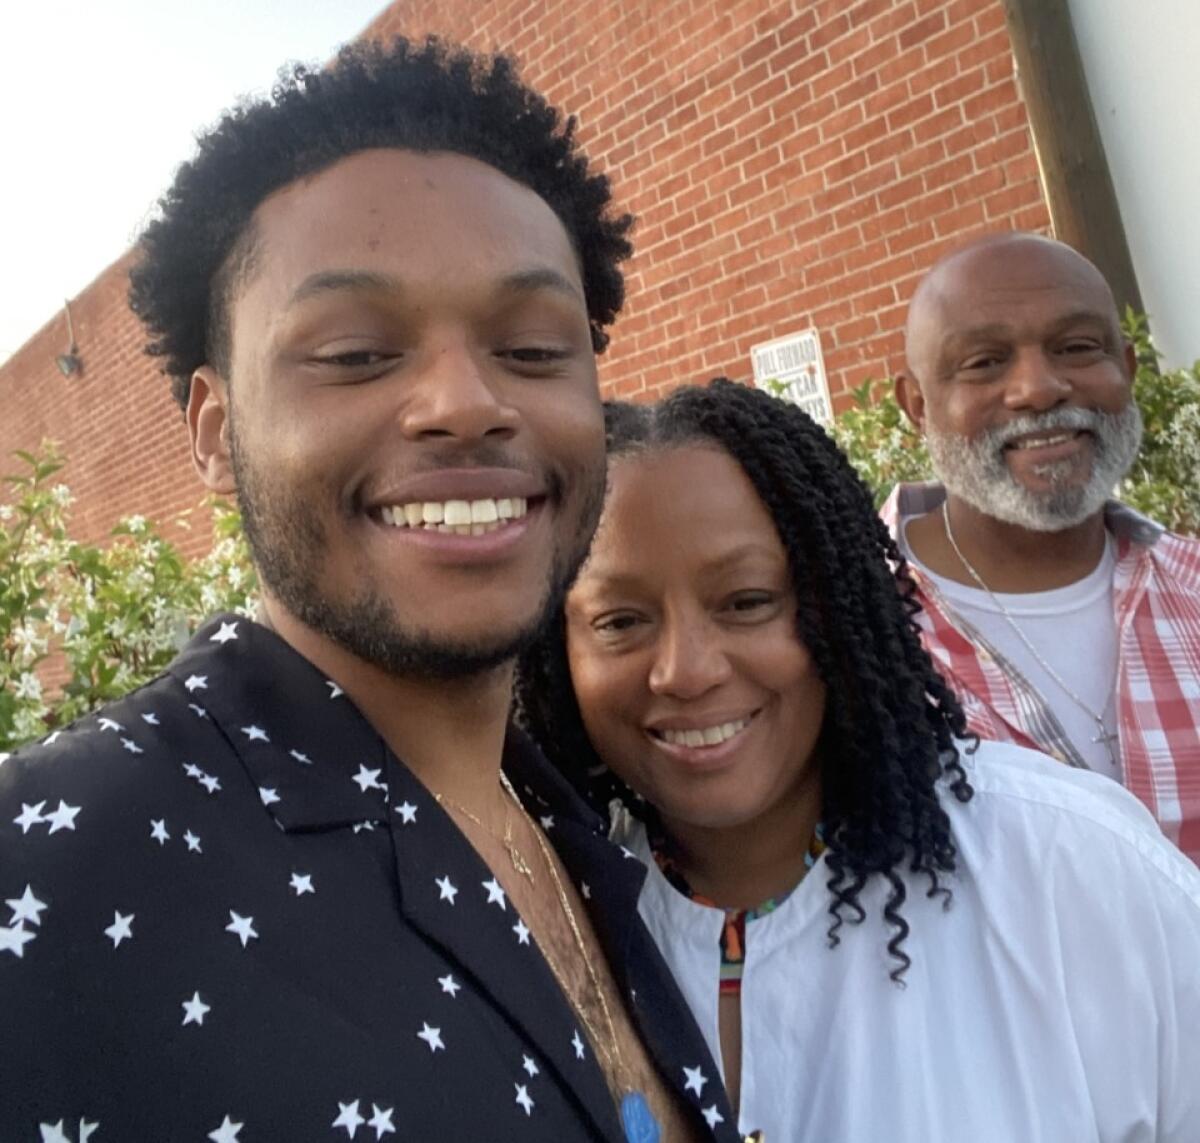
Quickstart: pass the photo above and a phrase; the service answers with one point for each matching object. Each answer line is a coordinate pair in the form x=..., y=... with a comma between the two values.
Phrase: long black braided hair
x=890, y=720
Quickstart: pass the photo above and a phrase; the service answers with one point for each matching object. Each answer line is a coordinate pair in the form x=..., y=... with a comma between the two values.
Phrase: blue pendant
x=638, y=1120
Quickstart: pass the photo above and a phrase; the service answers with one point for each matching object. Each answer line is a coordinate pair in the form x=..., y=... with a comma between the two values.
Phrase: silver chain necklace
x=1103, y=735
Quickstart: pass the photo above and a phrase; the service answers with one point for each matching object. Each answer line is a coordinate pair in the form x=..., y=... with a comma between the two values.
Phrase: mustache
x=1071, y=419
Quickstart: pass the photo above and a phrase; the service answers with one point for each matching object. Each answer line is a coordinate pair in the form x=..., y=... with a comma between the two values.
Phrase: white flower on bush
x=28, y=688
x=135, y=524
x=61, y=495
x=6, y=513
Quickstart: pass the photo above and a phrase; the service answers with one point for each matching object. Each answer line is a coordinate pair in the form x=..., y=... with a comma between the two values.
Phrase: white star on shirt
x=695, y=1079
x=495, y=892
x=150, y=719
x=348, y=1117
x=301, y=757
x=407, y=812
x=712, y=1116
x=227, y=1132
x=255, y=733
x=369, y=826
x=523, y=1098
x=381, y=1120
x=195, y=1009
x=26, y=907
x=449, y=984
x=192, y=770
x=228, y=631
x=367, y=779
x=30, y=816
x=51, y=739
x=108, y=724
x=119, y=930
x=268, y=795
x=577, y=1044
x=447, y=891
x=242, y=926
x=629, y=855
x=302, y=883
x=132, y=746
x=334, y=689
x=522, y=931
x=547, y=822
x=158, y=831
x=196, y=683
x=63, y=817
x=211, y=784
x=53, y=1133
x=200, y=712
x=193, y=842
x=529, y=1065
x=86, y=1129
x=14, y=939
x=585, y=890
x=431, y=1036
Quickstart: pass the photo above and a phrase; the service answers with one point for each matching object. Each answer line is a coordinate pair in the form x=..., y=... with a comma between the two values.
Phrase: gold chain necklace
x=637, y=1119
x=1103, y=734
x=514, y=854
x=611, y=1053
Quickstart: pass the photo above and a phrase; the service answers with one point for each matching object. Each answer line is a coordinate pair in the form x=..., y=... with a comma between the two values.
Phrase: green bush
x=105, y=619
x=1164, y=482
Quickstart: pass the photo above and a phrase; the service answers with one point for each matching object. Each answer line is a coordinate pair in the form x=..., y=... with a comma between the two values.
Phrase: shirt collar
x=316, y=759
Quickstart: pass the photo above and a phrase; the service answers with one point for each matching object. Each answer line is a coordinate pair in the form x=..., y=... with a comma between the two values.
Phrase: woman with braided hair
x=885, y=928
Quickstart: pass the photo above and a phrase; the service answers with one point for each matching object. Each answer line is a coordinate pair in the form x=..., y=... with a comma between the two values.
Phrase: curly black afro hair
x=891, y=723
x=420, y=97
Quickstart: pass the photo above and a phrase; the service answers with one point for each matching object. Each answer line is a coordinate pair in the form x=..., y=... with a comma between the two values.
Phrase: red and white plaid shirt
x=1156, y=601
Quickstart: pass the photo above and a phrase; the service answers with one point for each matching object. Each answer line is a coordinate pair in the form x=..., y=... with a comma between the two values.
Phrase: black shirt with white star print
x=230, y=913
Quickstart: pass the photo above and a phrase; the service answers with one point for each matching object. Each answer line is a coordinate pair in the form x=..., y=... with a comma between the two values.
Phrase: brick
x=922, y=30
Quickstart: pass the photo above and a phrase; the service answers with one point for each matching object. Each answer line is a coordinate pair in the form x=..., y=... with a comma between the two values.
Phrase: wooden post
x=1075, y=176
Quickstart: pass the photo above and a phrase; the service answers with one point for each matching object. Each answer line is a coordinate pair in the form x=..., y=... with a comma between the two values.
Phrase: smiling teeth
x=710, y=736
x=1044, y=442
x=462, y=517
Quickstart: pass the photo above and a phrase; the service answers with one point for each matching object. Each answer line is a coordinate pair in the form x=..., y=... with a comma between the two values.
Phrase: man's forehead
x=391, y=206
x=1016, y=285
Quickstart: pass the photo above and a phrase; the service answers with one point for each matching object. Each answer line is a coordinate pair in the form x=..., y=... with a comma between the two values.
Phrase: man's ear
x=910, y=399
x=208, y=427
x=1130, y=360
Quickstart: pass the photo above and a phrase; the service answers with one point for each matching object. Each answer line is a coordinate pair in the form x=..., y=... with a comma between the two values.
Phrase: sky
x=100, y=101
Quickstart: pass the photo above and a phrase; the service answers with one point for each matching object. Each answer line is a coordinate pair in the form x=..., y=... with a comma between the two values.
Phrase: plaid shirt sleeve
x=1156, y=597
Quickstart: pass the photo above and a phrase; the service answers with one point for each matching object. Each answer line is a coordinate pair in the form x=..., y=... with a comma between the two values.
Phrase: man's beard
x=289, y=548
x=975, y=469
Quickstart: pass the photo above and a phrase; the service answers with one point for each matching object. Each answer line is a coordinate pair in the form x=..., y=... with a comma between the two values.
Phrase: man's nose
x=1034, y=382
x=690, y=659
x=453, y=394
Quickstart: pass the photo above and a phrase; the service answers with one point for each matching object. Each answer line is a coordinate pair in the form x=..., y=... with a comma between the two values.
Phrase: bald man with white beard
x=1066, y=621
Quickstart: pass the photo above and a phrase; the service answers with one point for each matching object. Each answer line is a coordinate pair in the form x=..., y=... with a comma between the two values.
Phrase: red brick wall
x=123, y=435
x=791, y=164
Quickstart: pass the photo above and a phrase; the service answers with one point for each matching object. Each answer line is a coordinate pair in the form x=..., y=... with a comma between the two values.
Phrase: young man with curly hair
x=309, y=881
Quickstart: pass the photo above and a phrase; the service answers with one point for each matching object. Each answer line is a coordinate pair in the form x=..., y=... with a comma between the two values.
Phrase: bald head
x=994, y=280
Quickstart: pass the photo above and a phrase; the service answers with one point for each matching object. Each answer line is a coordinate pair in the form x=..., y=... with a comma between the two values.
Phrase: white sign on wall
x=795, y=365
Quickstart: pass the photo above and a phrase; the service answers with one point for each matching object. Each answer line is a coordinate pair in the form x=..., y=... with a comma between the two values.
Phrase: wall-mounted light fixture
x=70, y=363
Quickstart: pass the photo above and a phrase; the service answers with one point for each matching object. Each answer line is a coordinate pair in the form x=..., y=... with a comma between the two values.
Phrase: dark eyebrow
x=367, y=281
x=621, y=580
x=540, y=278
x=332, y=281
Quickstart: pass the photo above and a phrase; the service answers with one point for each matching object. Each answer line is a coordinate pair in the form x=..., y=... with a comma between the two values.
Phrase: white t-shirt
x=1057, y=999
x=1074, y=629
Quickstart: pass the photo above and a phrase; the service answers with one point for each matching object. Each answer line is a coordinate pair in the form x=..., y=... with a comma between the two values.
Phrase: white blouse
x=1056, y=1000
